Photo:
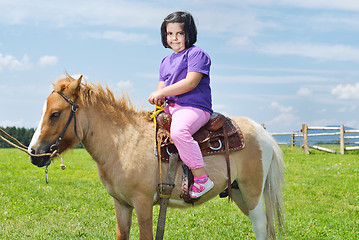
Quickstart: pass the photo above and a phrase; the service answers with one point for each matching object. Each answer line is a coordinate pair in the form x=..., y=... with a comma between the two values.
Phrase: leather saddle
x=211, y=137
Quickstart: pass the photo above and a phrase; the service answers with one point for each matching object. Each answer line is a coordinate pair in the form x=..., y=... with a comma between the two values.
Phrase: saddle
x=219, y=135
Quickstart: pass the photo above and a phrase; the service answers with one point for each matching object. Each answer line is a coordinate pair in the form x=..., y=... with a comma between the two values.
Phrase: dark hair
x=189, y=27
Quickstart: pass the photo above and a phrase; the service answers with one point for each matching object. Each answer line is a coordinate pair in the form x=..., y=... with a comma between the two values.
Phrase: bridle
x=55, y=147
x=74, y=108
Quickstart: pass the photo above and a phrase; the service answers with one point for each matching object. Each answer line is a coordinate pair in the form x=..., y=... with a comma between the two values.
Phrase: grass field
x=321, y=199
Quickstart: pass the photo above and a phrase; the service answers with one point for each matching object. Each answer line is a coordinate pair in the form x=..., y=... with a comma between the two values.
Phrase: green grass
x=321, y=199
x=321, y=195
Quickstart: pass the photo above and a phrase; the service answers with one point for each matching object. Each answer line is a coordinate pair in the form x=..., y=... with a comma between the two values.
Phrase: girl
x=184, y=86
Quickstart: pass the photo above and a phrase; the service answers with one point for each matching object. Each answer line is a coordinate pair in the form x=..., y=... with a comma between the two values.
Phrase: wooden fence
x=304, y=138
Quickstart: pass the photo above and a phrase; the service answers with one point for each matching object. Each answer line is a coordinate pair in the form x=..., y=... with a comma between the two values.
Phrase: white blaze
x=37, y=133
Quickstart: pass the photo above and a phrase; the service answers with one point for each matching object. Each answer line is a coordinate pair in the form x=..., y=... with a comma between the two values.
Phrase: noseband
x=74, y=108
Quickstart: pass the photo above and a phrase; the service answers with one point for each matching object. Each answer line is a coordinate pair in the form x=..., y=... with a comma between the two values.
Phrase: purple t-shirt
x=175, y=67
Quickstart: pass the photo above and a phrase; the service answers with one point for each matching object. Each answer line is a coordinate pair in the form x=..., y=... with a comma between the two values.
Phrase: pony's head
x=56, y=129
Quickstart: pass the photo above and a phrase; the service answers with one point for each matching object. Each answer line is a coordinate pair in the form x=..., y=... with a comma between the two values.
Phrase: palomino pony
x=120, y=140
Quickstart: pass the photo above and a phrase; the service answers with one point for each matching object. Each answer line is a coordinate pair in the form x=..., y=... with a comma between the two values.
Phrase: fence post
x=305, y=138
x=293, y=139
x=342, y=149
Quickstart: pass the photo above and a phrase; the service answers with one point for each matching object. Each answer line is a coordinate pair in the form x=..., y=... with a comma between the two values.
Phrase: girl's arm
x=185, y=85
x=161, y=84
x=158, y=101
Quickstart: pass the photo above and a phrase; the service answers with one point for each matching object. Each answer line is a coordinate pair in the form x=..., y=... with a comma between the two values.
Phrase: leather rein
x=74, y=108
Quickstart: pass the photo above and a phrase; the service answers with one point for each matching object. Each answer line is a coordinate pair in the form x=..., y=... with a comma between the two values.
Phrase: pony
x=120, y=139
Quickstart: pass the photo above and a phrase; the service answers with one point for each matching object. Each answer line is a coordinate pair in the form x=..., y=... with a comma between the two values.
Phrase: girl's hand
x=156, y=98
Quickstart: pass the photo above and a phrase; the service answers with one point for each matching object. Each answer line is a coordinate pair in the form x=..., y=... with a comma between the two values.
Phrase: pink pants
x=185, y=122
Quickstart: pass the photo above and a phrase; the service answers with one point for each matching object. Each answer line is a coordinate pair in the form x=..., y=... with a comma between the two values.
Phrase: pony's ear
x=75, y=85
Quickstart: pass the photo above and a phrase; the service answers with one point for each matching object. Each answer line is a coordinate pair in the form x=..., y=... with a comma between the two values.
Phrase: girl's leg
x=185, y=122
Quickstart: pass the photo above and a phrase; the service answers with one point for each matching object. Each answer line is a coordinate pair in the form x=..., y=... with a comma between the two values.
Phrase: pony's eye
x=55, y=115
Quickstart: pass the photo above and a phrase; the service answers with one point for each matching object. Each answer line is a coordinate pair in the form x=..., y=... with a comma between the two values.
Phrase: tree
x=23, y=135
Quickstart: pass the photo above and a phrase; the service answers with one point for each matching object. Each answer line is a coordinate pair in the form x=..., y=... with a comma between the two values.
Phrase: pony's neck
x=108, y=138
x=121, y=150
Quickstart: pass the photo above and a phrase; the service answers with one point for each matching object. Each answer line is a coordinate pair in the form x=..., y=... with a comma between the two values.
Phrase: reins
x=55, y=147
x=157, y=151
x=22, y=147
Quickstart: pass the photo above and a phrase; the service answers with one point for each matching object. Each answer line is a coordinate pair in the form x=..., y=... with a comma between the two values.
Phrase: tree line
x=23, y=135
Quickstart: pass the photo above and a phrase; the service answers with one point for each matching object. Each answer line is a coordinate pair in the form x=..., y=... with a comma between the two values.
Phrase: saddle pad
x=216, y=143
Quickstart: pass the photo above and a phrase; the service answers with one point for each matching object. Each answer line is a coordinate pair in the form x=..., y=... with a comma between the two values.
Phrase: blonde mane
x=120, y=108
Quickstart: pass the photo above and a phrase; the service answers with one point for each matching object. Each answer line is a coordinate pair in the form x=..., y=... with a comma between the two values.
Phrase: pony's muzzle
x=40, y=161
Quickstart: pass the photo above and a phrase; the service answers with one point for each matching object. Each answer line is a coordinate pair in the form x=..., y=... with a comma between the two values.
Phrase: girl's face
x=176, y=37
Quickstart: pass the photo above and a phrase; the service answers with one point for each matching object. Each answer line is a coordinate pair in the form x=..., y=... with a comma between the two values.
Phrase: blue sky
x=280, y=63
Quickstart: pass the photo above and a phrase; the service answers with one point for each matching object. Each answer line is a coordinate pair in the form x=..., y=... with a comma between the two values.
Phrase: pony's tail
x=273, y=194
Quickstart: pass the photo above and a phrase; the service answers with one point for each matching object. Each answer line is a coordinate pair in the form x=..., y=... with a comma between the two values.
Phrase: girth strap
x=226, y=143
x=166, y=190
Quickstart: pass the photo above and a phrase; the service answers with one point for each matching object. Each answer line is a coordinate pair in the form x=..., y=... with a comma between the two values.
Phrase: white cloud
x=48, y=61
x=234, y=18
x=304, y=92
x=66, y=12
x=333, y=22
x=146, y=75
x=344, y=109
x=289, y=70
x=265, y=79
x=77, y=75
x=240, y=43
x=286, y=121
x=322, y=52
x=125, y=86
x=10, y=62
x=323, y=122
x=120, y=37
x=220, y=107
x=280, y=107
x=8, y=123
x=346, y=91
x=352, y=123
x=323, y=110
x=74, y=76
x=349, y=5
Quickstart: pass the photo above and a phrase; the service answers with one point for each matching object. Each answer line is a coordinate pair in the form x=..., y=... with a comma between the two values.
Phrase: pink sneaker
x=198, y=190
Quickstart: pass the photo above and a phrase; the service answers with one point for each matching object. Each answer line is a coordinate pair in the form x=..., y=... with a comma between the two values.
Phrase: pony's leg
x=257, y=215
x=124, y=220
x=238, y=199
x=259, y=221
x=144, y=209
